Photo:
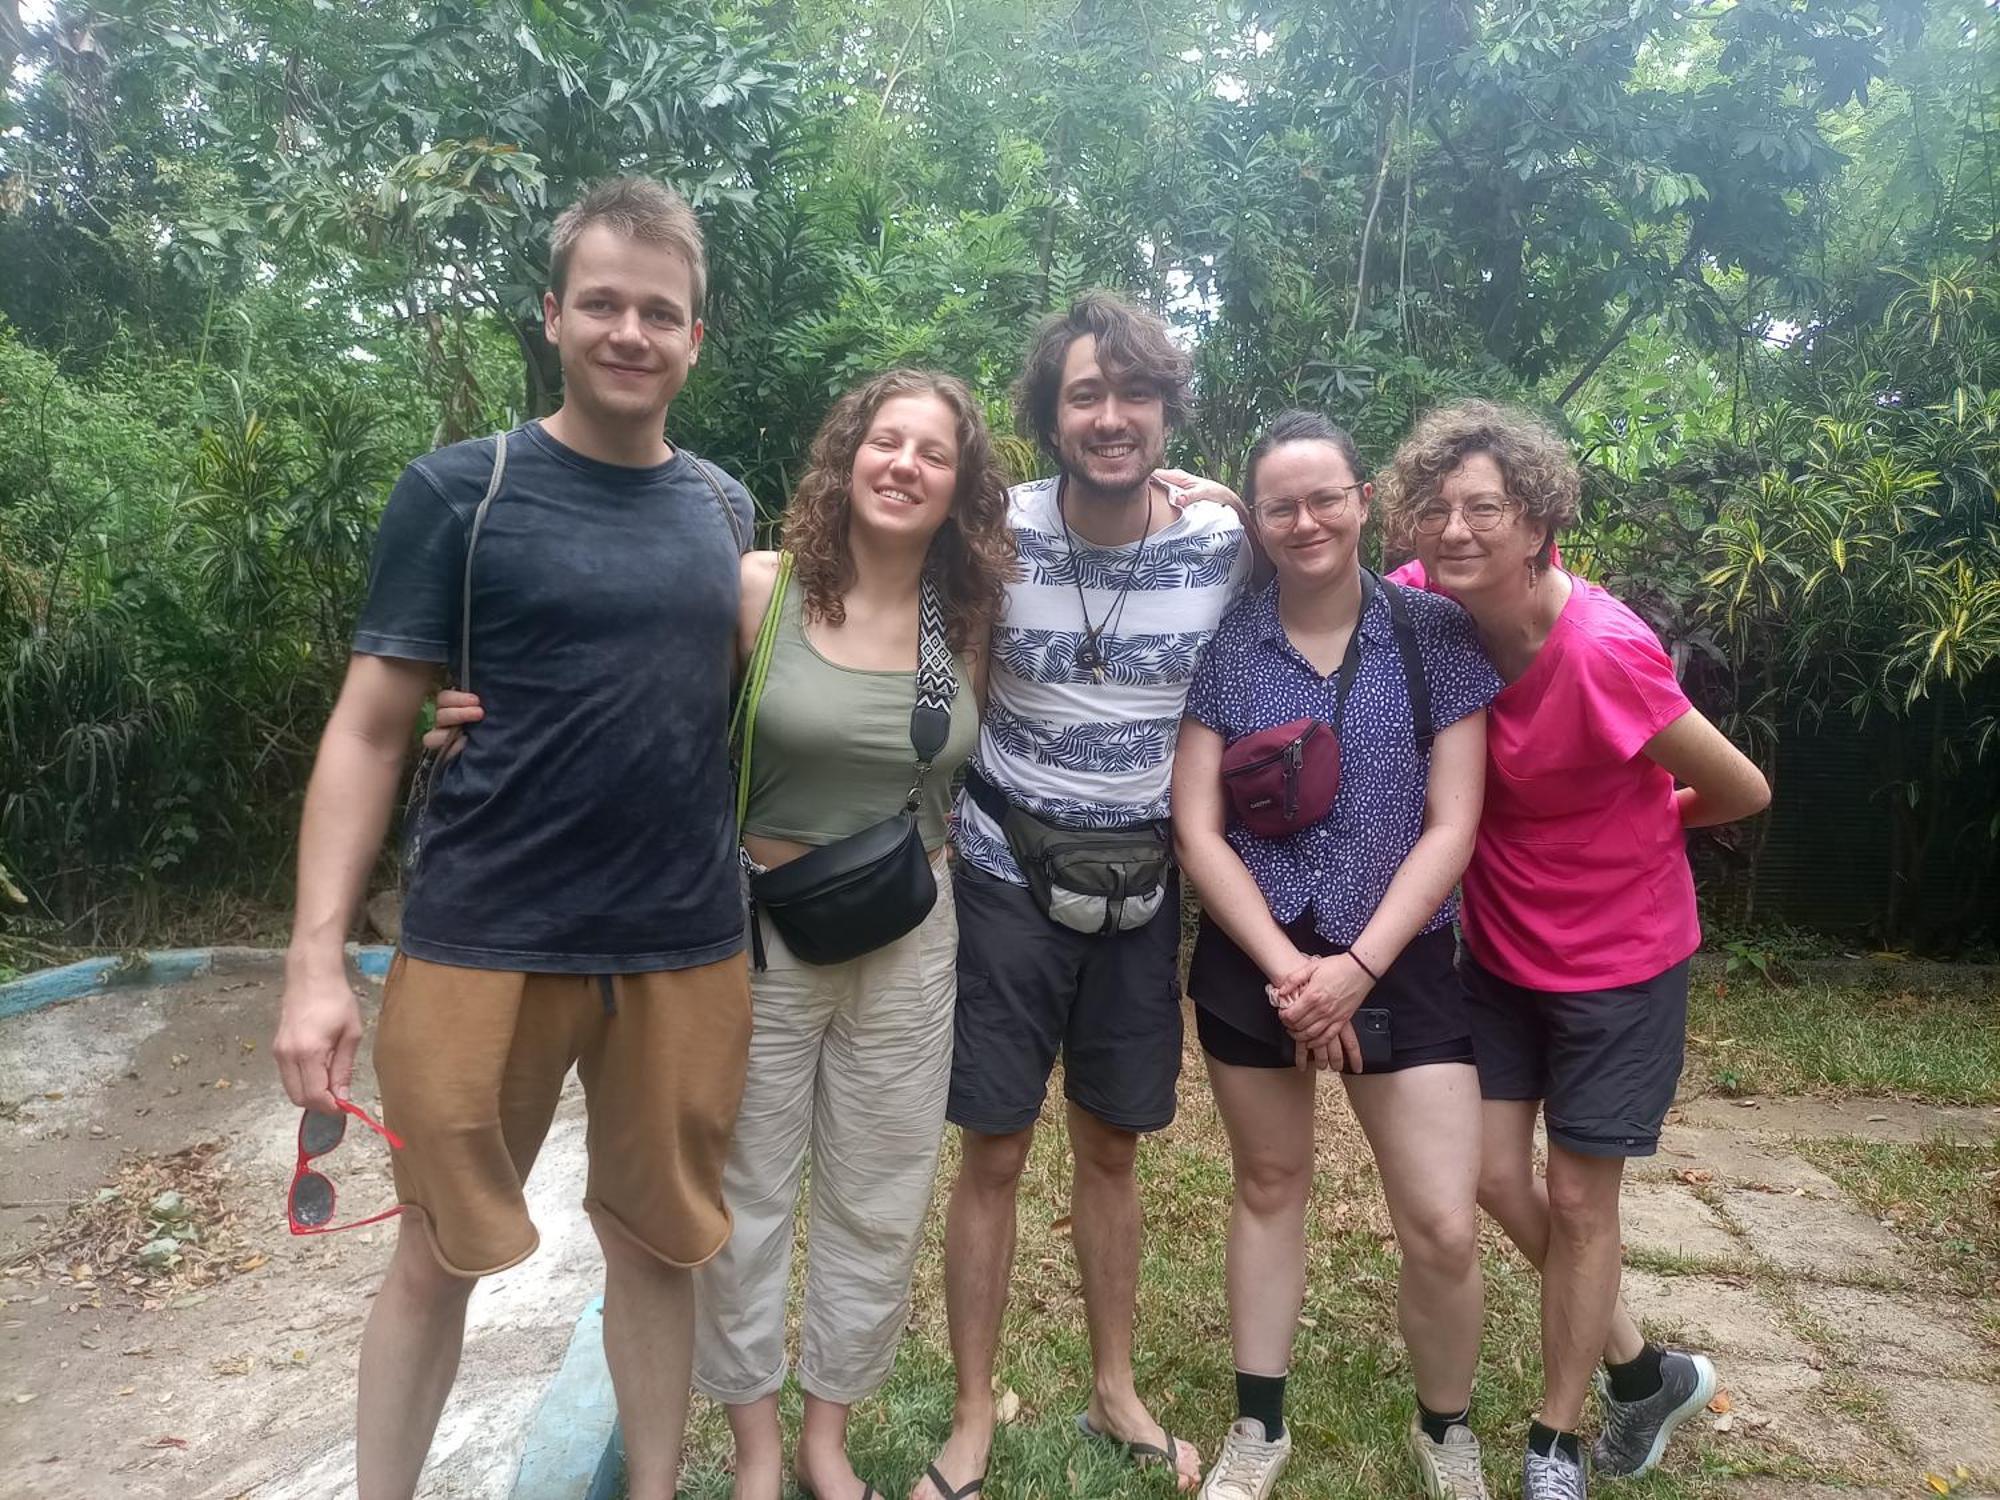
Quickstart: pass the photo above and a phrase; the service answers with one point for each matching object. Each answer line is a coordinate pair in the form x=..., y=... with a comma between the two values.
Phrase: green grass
x=1350, y=1397
x=1942, y=1196
x=1940, y=1044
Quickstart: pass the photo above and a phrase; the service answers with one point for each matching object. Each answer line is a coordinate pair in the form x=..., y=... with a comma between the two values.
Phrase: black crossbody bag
x=862, y=892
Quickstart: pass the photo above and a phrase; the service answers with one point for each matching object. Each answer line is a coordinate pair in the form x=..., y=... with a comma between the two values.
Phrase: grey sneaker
x=1450, y=1469
x=1635, y=1432
x=1249, y=1464
x=1555, y=1477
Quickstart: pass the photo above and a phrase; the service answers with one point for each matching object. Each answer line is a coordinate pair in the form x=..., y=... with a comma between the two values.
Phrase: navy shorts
x=1604, y=1063
x=1238, y=1026
x=1030, y=990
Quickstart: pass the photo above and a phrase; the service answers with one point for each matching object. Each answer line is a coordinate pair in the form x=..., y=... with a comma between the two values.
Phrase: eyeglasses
x=1481, y=513
x=1326, y=505
x=309, y=1205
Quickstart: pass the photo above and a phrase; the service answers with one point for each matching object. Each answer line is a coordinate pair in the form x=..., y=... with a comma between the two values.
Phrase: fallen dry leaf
x=252, y=1262
x=1060, y=1225
x=1939, y=1483
x=1721, y=1403
x=1695, y=1176
x=126, y=1390
x=237, y=1366
x=1726, y=1422
x=24, y=1398
x=1007, y=1409
x=168, y=1442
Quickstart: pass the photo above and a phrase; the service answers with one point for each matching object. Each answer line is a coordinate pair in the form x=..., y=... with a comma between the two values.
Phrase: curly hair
x=1535, y=466
x=1130, y=342
x=973, y=554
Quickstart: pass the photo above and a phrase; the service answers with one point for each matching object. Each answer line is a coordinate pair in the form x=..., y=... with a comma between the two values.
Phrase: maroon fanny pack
x=1284, y=778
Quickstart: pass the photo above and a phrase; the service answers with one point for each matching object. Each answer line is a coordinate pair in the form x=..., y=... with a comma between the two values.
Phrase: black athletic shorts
x=1604, y=1063
x=1238, y=1025
x=1030, y=989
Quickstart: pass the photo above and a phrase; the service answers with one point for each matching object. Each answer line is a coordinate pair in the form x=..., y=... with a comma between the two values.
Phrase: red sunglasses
x=309, y=1205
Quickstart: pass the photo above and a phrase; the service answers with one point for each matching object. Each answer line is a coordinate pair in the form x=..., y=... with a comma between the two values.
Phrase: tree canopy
x=254, y=256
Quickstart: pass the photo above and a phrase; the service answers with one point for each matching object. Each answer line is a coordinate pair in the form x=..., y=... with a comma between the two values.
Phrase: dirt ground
x=1843, y=1357
x=246, y=1387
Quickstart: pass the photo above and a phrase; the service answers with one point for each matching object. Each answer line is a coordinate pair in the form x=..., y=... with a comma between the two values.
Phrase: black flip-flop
x=964, y=1492
x=1143, y=1455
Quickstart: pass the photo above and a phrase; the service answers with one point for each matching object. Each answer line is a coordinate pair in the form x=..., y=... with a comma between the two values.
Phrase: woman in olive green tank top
x=850, y=1061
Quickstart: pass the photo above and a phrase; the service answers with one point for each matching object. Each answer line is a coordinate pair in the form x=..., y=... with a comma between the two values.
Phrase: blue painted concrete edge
x=573, y=1446
x=93, y=976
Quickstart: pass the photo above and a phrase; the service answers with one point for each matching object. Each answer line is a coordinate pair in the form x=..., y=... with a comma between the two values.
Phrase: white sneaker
x=1249, y=1464
x=1450, y=1469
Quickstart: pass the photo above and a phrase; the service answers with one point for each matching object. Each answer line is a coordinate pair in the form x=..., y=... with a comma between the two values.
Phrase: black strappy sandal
x=964, y=1492
x=1143, y=1455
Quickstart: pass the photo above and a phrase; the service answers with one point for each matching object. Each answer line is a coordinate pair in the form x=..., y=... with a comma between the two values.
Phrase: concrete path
x=1845, y=1356
x=245, y=1388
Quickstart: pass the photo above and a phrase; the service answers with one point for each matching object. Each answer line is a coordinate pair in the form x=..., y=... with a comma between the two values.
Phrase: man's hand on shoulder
x=1184, y=489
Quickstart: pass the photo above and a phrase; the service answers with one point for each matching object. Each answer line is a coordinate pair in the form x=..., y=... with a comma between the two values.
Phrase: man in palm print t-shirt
x=1121, y=584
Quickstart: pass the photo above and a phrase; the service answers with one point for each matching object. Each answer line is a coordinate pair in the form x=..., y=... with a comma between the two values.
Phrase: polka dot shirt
x=1252, y=678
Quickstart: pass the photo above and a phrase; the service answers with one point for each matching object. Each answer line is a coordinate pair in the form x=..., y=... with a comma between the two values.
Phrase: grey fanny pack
x=1091, y=880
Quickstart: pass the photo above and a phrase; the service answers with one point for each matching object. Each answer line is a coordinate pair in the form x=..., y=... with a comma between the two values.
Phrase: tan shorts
x=471, y=1063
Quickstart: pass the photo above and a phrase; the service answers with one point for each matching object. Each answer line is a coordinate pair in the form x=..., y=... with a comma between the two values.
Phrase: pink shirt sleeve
x=1626, y=684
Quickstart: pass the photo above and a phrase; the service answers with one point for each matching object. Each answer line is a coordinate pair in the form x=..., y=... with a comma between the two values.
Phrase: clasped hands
x=1316, y=1002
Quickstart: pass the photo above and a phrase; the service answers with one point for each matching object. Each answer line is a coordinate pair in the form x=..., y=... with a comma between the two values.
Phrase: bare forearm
x=348, y=802
x=1230, y=897
x=1702, y=810
x=1419, y=888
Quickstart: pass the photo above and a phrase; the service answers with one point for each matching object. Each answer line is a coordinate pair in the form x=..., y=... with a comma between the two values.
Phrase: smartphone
x=1371, y=1029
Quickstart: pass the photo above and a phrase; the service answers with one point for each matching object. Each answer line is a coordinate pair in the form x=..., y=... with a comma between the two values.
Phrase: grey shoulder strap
x=722, y=500
x=464, y=682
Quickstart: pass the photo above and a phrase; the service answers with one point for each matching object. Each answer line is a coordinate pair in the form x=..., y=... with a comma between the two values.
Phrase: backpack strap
x=463, y=681
x=1413, y=666
x=702, y=467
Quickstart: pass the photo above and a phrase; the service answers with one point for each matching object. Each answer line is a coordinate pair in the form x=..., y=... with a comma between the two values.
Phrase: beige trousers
x=851, y=1064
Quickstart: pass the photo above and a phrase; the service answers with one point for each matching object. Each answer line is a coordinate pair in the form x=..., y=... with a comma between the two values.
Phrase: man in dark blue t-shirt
x=573, y=894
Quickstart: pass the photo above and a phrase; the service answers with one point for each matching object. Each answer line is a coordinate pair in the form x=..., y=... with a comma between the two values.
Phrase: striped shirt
x=1081, y=752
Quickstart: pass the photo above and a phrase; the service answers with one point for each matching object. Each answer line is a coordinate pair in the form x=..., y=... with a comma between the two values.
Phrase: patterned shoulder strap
x=937, y=685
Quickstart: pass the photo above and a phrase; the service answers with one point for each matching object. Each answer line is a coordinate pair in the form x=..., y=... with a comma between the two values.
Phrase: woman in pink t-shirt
x=1578, y=911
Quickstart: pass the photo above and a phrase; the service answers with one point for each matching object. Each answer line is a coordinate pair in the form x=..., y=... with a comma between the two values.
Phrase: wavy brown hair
x=1535, y=465
x=971, y=557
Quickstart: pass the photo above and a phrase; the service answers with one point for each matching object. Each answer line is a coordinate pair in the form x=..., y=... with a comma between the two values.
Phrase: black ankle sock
x=1638, y=1378
x=1437, y=1423
x=1262, y=1397
x=1545, y=1440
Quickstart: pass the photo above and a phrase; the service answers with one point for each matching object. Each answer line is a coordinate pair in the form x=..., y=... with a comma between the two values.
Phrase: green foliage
x=255, y=254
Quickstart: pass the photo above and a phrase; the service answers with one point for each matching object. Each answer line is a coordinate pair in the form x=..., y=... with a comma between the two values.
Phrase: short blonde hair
x=1535, y=466
x=638, y=208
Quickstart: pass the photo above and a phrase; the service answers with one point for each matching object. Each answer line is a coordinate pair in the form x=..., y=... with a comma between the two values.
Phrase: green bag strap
x=743, y=723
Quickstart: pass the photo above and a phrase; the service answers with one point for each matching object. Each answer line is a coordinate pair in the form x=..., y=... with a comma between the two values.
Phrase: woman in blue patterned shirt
x=1350, y=916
